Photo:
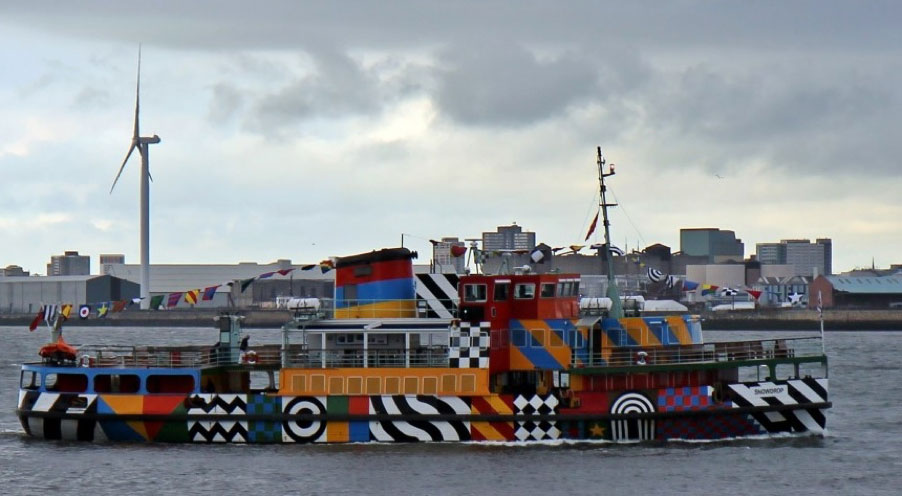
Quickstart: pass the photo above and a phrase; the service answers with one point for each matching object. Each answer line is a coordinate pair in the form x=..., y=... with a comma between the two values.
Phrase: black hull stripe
x=382, y=417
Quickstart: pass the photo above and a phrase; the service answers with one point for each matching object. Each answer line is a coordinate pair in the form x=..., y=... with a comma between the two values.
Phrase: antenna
x=616, y=308
x=143, y=146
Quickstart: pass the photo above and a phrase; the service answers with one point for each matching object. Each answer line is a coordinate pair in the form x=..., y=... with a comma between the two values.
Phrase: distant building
x=109, y=259
x=69, y=263
x=166, y=279
x=28, y=294
x=13, y=271
x=856, y=292
x=444, y=260
x=508, y=238
x=802, y=254
x=719, y=246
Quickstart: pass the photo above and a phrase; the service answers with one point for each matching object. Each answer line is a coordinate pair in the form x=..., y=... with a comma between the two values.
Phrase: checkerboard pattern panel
x=538, y=429
x=684, y=398
x=263, y=431
x=469, y=346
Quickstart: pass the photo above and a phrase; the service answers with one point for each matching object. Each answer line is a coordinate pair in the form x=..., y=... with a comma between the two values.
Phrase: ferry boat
x=521, y=359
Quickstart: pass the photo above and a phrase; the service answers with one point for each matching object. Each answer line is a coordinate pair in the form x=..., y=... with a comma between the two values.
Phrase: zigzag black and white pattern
x=536, y=430
x=217, y=431
x=469, y=346
x=72, y=405
x=439, y=293
x=225, y=404
x=419, y=430
x=792, y=392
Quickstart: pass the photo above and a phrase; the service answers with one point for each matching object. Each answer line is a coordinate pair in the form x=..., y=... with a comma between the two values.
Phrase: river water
x=861, y=454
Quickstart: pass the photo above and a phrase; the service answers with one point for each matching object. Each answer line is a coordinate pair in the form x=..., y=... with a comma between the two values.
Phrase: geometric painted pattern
x=264, y=431
x=536, y=430
x=305, y=430
x=792, y=392
x=632, y=429
x=419, y=430
x=469, y=346
x=684, y=398
x=217, y=431
x=491, y=431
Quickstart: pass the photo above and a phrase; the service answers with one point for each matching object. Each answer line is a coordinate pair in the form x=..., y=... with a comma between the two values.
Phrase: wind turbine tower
x=143, y=146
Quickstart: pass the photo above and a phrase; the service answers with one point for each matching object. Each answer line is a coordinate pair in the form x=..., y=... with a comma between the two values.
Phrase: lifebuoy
x=640, y=358
x=250, y=357
x=85, y=361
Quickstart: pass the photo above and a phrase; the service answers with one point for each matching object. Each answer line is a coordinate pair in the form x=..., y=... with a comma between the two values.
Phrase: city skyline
x=303, y=132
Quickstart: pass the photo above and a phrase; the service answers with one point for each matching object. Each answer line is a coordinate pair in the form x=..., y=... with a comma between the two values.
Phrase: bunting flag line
x=84, y=312
x=689, y=285
x=50, y=315
x=174, y=299
x=672, y=281
x=592, y=227
x=709, y=289
x=755, y=294
x=119, y=305
x=284, y=272
x=137, y=300
x=729, y=292
x=536, y=256
x=616, y=251
x=156, y=302
x=576, y=248
x=266, y=275
x=103, y=310
x=210, y=292
x=65, y=310
x=655, y=275
x=37, y=320
x=191, y=296
x=247, y=282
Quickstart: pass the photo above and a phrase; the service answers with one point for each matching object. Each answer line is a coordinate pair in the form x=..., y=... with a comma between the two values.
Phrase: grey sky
x=307, y=130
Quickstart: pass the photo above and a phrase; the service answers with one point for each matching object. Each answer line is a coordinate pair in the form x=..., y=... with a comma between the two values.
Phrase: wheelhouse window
x=502, y=291
x=29, y=379
x=567, y=288
x=66, y=383
x=170, y=384
x=525, y=291
x=547, y=290
x=475, y=292
x=117, y=383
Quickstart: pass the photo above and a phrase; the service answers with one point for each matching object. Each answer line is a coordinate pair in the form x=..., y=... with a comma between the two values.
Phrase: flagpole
x=616, y=307
x=820, y=315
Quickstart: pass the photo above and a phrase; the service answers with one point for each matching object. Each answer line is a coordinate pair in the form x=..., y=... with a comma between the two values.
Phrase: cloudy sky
x=304, y=130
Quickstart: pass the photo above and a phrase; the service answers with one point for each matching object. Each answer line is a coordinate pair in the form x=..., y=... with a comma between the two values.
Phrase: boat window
x=170, y=384
x=547, y=290
x=518, y=338
x=66, y=383
x=567, y=288
x=502, y=291
x=525, y=291
x=785, y=371
x=117, y=383
x=29, y=379
x=475, y=292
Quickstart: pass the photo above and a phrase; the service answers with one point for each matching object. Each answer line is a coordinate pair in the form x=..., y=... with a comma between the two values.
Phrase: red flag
x=37, y=320
x=457, y=251
x=592, y=227
x=754, y=293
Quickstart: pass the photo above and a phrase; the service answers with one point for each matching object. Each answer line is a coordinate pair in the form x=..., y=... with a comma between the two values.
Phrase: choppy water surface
x=860, y=455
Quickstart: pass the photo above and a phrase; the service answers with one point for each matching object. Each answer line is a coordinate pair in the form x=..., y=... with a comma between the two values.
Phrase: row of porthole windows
x=106, y=383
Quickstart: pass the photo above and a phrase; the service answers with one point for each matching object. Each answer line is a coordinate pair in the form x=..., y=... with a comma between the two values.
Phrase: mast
x=616, y=307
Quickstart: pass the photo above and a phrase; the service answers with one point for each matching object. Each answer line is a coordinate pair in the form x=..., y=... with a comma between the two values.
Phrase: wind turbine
x=143, y=146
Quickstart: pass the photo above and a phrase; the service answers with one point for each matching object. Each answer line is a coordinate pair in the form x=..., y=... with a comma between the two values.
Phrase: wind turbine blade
x=129, y=154
x=138, y=94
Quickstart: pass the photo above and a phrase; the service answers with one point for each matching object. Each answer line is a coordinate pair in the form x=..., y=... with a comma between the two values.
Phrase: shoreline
x=796, y=319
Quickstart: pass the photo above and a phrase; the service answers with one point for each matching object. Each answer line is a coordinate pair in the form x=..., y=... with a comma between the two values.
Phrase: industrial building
x=28, y=294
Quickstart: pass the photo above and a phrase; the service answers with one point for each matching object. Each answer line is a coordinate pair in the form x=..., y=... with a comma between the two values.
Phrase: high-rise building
x=70, y=263
x=444, y=260
x=719, y=246
x=508, y=238
x=802, y=254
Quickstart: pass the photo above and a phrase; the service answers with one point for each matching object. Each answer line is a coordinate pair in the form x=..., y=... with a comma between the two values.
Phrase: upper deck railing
x=297, y=355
